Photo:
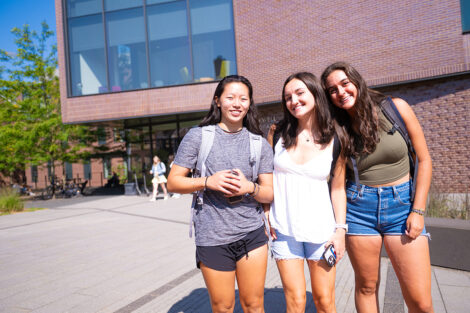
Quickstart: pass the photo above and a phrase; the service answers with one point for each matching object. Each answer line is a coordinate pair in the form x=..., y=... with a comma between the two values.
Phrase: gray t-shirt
x=219, y=222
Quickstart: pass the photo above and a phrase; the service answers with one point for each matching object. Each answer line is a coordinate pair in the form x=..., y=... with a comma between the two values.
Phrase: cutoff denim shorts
x=287, y=248
x=378, y=210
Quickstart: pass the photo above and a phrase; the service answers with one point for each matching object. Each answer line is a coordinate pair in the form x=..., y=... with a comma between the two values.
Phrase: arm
x=338, y=200
x=415, y=222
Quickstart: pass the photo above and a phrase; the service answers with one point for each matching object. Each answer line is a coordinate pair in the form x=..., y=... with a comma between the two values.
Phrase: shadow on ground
x=198, y=301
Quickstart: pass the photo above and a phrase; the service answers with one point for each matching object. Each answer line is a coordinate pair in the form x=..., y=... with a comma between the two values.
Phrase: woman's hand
x=414, y=225
x=338, y=241
x=226, y=182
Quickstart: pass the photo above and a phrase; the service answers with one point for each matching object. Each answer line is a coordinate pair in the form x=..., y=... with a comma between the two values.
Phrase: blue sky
x=16, y=13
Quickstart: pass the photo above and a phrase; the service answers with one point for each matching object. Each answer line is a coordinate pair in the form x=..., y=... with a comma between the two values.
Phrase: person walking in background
x=231, y=242
x=380, y=208
x=303, y=219
x=158, y=170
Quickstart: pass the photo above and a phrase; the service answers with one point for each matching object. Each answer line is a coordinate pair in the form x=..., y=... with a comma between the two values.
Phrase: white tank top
x=302, y=205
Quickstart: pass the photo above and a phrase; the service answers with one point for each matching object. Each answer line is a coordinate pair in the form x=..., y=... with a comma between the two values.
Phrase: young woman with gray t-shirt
x=231, y=241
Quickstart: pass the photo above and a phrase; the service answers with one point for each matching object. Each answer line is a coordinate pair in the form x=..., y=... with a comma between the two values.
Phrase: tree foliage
x=31, y=129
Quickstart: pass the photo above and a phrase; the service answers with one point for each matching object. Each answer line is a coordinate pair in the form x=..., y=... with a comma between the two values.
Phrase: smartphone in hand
x=330, y=255
x=235, y=199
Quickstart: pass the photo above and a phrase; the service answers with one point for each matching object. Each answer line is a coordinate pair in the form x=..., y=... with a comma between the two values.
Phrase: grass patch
x=10, y=201
x=448, y=206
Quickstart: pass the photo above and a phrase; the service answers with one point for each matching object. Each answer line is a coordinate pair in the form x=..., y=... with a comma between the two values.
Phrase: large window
x=119, y=45
x=465, y=11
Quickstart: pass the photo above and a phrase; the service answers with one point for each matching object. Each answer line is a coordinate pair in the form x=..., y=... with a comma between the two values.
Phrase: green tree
x=31, y=129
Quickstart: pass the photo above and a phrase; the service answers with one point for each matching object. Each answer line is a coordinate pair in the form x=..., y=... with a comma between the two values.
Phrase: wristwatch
x=343, y=226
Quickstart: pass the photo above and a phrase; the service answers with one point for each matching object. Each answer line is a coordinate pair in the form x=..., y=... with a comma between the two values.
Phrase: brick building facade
x=416, y=50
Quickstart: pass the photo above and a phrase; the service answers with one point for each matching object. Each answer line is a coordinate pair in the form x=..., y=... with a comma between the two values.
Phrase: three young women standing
x=379, y=209
x=231, y=242
x=303, y=218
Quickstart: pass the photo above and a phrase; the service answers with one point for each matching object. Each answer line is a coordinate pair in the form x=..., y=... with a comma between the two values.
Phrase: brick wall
x=388, y=41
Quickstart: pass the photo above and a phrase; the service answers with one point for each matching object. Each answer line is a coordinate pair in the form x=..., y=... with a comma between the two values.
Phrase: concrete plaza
x=126, y=254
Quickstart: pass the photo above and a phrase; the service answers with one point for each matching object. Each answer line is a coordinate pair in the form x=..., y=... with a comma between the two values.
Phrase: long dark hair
x=322, y=128
x=365, y=140
x=250, y=121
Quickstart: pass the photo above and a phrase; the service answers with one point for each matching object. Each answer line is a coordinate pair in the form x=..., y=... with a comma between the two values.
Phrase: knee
x=367, y=288
x=223, y=306
x=421, y=306
x=252, y=305
x=324, y=303
x=296, y=302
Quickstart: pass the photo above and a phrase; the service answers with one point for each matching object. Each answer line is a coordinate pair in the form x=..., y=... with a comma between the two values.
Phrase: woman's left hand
x=338, y=241
x=414, y=225
x=245, y=186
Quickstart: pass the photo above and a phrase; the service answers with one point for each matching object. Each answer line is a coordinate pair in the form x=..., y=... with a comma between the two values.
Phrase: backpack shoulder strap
x=336, y=152
x=207, y=139
x=393, y=115
x=255, y=154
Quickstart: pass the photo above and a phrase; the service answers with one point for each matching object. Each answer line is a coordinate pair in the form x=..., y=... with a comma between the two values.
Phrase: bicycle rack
x=137, y=185
x=147, y=192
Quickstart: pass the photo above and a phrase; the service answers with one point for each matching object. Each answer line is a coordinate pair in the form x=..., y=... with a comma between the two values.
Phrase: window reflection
x=169, y=45
x=127, y=59
x=87, y=57
x=83, y=7
x=175, y=56
x=212, y=39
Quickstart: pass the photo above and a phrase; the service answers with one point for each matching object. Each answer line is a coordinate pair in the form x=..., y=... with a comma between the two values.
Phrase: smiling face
x=299, y=101
x=234, y=103
x=343, y=93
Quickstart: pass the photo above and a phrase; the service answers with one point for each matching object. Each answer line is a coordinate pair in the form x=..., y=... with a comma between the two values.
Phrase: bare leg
x=154, y=191
x=251, y=276
x=221, y=288
x=323, y=286
x=410, y=260
x=165, y=193
x=364, y=253
x=293, y=283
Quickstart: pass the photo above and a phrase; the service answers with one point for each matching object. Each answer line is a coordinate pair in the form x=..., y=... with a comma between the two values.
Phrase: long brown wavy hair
x=323, y=130
x=365, y=140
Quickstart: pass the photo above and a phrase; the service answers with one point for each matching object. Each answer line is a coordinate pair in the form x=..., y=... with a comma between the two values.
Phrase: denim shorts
x=286, y=247
x=378, y=210
x=225, y=257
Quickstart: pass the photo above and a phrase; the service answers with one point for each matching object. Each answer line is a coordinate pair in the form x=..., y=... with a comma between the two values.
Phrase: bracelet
x=205, y=182
x=343, y=226
x=418, y=211
x=256, y=189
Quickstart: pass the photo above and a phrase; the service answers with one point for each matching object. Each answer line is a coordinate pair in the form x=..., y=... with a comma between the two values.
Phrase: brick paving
x=126, y=254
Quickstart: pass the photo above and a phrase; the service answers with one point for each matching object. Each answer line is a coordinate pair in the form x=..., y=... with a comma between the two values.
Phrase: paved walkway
x=126, y=254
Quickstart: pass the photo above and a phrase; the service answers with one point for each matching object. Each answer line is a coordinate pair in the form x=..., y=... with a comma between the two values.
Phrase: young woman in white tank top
x=303, y=219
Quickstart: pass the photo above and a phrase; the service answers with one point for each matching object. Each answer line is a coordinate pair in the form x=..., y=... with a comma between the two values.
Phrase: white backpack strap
x=255, y=154
x=207, y=139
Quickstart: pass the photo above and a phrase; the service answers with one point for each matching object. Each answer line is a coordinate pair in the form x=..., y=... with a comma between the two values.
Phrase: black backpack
x=391, y=113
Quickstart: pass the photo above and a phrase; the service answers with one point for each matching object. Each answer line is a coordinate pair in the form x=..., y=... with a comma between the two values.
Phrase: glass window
x=87, y=170
x=121, y=4
x=465, y=11
x=212, y=39
x=170, y=61
x=158, y=1
x=106, y=167
x=87, y=55
x=34, y=173
x=68, y=171
x=101, y=132
x=83, y=7
x=126, y=50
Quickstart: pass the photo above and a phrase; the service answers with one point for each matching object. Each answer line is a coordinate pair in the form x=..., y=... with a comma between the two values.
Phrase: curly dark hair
x=323, y=129
x=366, y=138
x=250, y=121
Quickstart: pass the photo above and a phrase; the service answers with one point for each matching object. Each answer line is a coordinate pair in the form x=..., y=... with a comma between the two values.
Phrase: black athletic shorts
x=225, y=257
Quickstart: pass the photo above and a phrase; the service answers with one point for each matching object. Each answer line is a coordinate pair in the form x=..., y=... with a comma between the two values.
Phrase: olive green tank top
x=387, y=163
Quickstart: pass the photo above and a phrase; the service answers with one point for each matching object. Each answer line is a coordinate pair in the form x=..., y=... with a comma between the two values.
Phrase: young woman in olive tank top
x=380, y=209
